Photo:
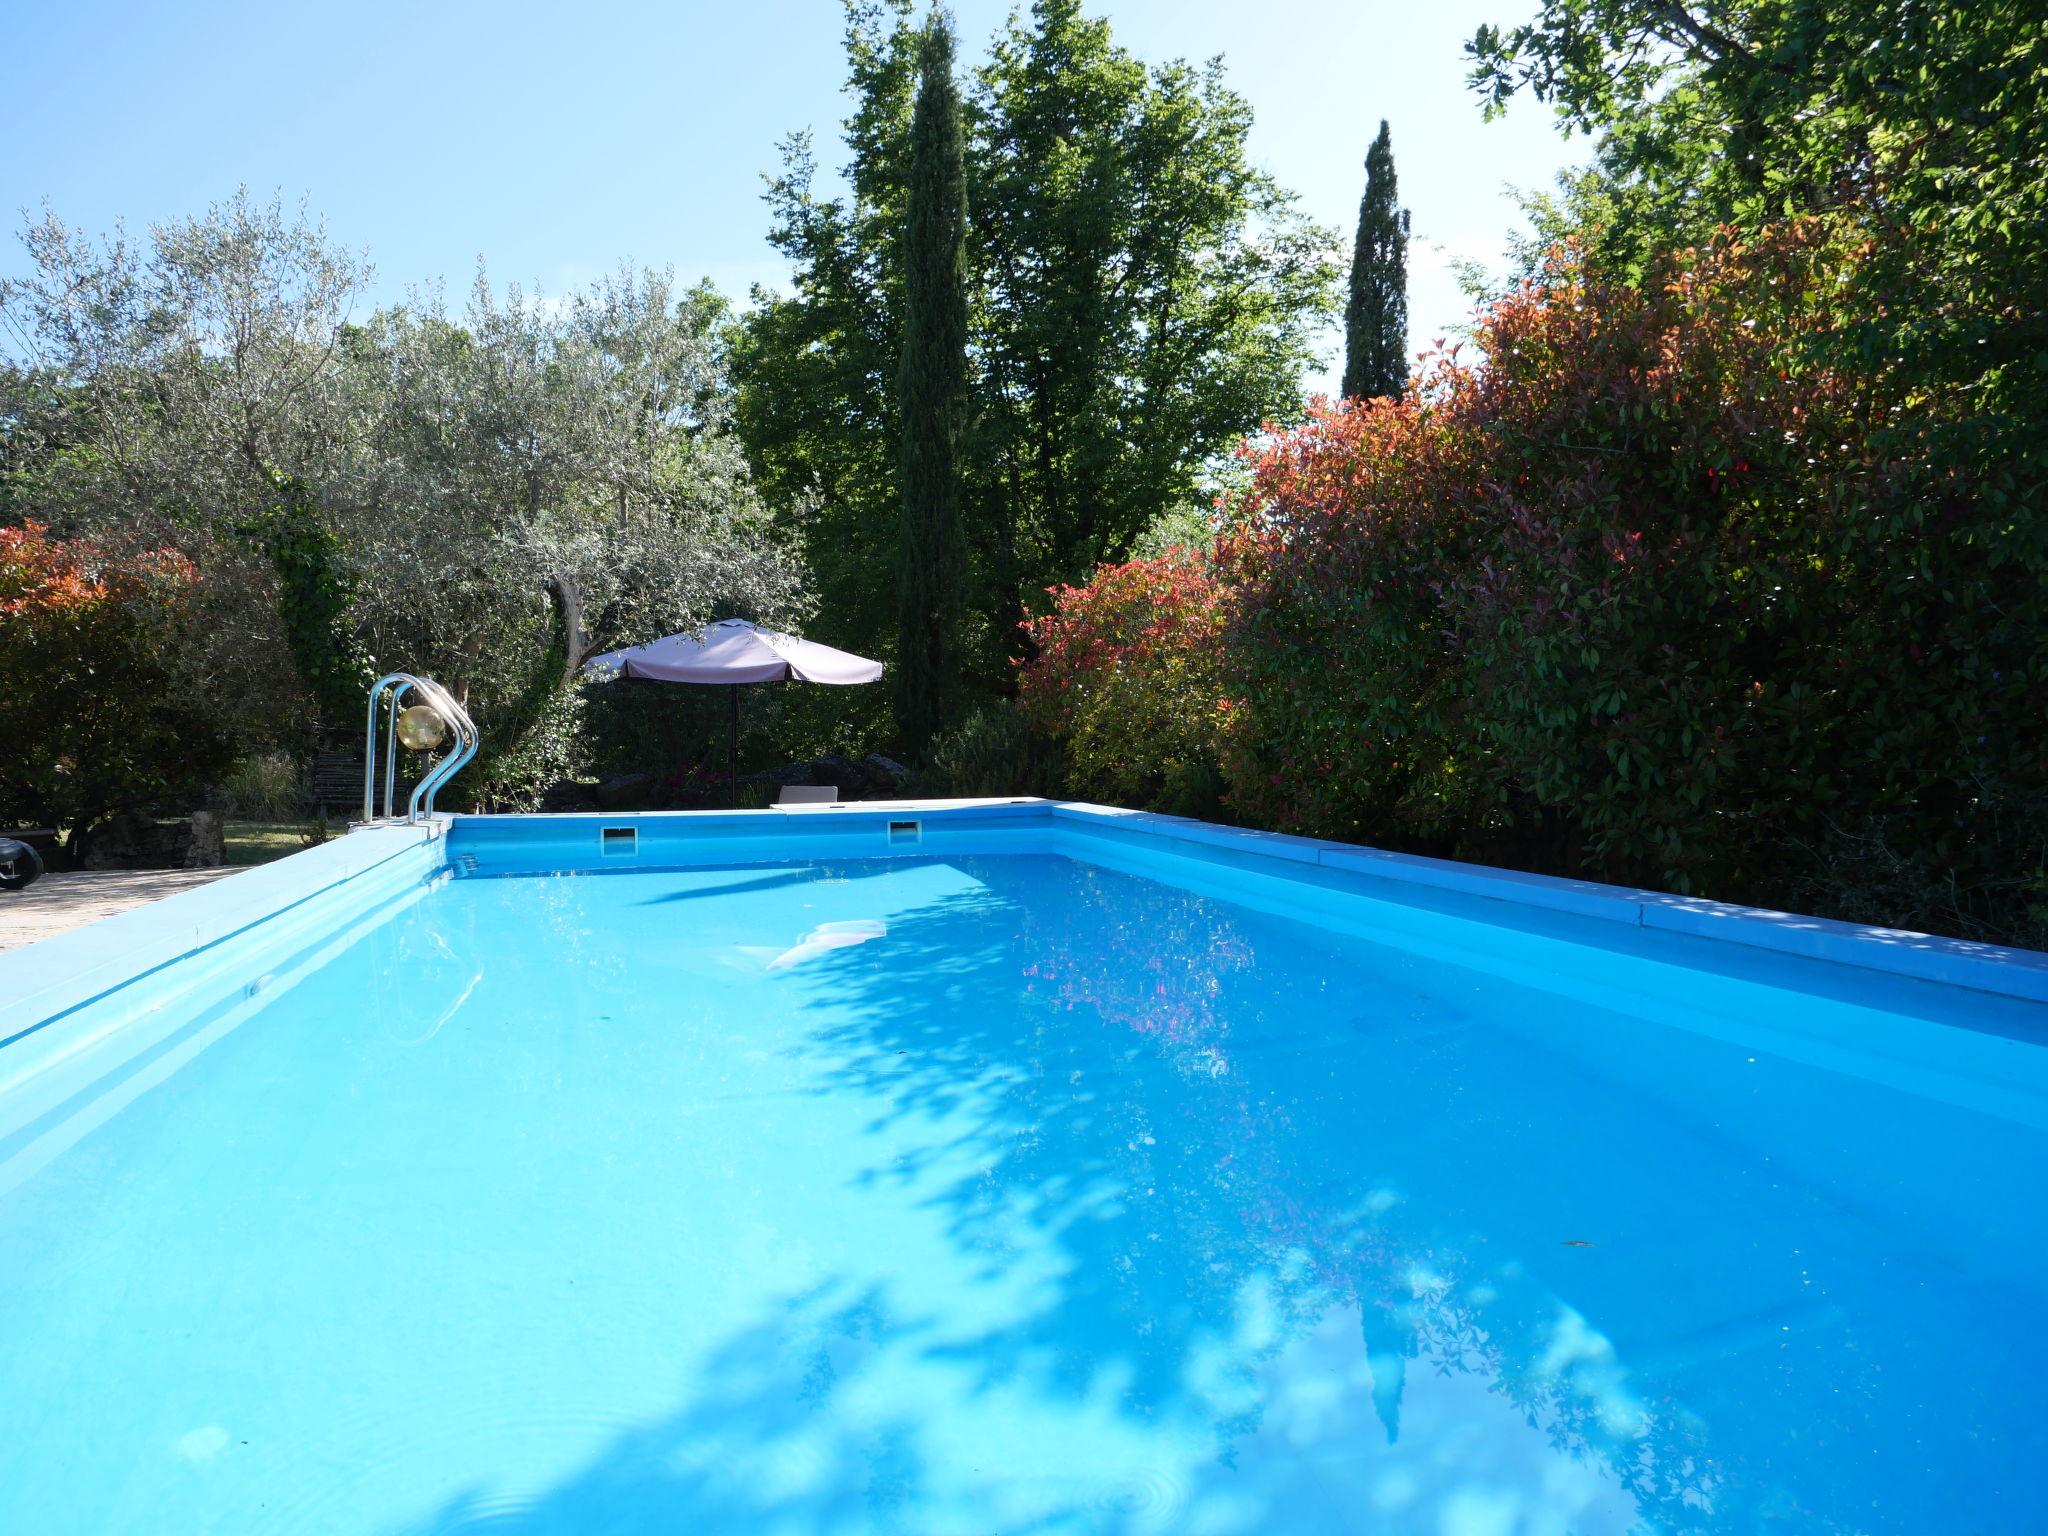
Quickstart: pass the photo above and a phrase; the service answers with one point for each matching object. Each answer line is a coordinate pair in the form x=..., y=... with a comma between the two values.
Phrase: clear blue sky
x=555, y=141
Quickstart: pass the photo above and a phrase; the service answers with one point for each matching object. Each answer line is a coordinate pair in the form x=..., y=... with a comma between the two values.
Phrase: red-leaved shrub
x=1672, y=588
x=99, y=705
x=1126, y=679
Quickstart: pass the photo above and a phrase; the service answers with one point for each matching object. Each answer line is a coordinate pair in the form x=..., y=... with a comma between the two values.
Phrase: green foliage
x=1128, y=678
x=1376, y=316
x=754, y=795
x=992, y=753
x=1916, y=132
x=528, y=742
x=315, y=590
x=425, y=487
x=248, y=843
x=932, y=393
x=679, y=734
x=1142, y=295
x=265, y=786
x=545, y=748
x=815, y=370
x=1913, y=137
x=1186, y=527
x=570, y=483
x=40, y=422
x=644, y=728
x=97, y=714
x=1654, y=597
x=1347, y=689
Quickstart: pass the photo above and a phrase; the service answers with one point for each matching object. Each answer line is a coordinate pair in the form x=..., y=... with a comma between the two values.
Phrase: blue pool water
x=1011, y=1194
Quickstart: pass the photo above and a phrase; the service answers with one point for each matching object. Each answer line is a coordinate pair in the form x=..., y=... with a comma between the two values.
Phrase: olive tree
x=536, y=481
x=489, y=496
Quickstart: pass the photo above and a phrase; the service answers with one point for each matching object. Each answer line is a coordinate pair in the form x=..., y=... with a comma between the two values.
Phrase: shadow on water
x=1206, y=1157
x=697, y=891
x=743, y=1455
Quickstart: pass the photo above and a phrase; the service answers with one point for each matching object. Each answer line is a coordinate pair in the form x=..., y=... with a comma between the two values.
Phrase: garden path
x=60, y=902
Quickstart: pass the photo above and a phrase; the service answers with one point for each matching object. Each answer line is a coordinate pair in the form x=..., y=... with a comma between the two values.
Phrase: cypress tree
x=1376, y=318
x=931, y=391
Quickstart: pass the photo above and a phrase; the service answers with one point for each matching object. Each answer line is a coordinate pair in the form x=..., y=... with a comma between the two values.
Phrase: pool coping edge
x=51, y=977
x=1999, y=970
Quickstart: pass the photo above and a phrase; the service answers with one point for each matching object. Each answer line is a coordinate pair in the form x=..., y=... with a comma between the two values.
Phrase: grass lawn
x=258, y=842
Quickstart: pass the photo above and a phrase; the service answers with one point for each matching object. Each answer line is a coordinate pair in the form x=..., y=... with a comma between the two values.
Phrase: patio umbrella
x=732, y=653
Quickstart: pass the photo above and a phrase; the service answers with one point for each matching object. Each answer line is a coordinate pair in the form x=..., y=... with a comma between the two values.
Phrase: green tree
x=1376, y=317
x=1151, y=297
x=1919, y=129
x=101, y=706
x=314, y=593
x=815, y=371
x=932, y=390
x=1141, y=296
x=179, y=380
x=488, y=496
x=1914, y=135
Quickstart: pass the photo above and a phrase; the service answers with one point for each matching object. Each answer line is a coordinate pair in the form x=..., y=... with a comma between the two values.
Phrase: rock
x=568, y=795
x=624, y=792
x=132, y=840
x=886, y=776
x=205, y=840
x=837, y=771
x=686, y=793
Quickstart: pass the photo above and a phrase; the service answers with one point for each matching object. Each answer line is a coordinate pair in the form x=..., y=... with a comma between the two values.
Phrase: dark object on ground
x=336, y=781
x=874, y=777
x=624, y=792
x=20, y=865
x=206, y=843
x=885, y=775
x=568, y=795
x=132, y=840
x=44, y=840
x=335, y=784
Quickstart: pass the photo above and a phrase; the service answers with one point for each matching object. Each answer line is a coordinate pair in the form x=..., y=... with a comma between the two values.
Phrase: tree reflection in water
x=1072, y=1201
x=1194, y=1127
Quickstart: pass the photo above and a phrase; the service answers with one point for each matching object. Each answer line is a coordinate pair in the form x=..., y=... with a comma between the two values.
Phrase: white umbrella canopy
x=733, y=651
x=730, y=653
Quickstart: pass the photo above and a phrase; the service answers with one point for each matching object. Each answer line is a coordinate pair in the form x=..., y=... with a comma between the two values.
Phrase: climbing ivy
x=314, y=595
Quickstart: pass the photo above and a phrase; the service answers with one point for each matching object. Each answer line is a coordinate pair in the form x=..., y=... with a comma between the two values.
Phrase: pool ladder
x=390, y=691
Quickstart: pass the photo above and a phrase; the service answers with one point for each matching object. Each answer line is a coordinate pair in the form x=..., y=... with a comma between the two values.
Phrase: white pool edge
x=52, y=977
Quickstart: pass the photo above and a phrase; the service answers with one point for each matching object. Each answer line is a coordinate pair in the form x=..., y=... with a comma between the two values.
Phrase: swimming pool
x=1008, y=1168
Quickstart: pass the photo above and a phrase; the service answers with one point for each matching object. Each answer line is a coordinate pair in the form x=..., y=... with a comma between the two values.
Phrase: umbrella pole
x=732, y=746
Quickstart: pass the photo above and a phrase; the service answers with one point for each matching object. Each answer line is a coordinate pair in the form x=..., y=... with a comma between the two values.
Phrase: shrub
x=994, y=752
x=1347, y=683
x=98, y=711
x=1127, y=678
x=268, y=786
x=540, y=751
x=1679, y=588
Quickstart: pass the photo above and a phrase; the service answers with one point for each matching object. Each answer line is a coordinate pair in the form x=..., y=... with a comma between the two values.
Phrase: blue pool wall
x=538, y=844
x=133, y=961
x=94, y=1017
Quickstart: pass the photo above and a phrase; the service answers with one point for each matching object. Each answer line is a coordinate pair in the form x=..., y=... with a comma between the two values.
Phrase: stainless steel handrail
x=388, y=691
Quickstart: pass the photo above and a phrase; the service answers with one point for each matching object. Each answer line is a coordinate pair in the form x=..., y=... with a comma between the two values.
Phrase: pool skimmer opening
x=902, y=832
x=619, y=842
